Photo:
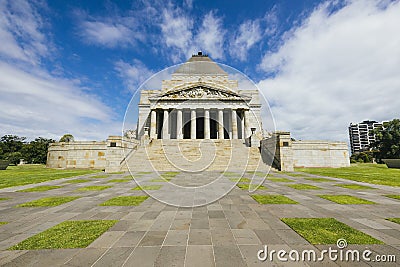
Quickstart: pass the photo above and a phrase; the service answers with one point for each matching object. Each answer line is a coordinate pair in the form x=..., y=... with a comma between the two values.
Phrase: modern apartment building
x=360, y=136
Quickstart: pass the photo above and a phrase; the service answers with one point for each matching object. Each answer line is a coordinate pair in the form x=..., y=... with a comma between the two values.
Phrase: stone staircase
x=194, y=156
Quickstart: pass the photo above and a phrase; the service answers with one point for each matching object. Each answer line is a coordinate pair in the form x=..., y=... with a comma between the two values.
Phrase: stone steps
x=195, y=156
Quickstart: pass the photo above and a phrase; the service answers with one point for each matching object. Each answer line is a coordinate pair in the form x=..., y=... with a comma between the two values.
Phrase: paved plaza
x=227, y=232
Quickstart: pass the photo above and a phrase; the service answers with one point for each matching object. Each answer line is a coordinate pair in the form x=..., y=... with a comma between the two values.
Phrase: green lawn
x=395, y=220
x=316, y=179
x=120, y=180
x=3, y=198
x=147, y=187
x=393, y=196
x=354, y=186
x=100, y=176
x=94, y=188
x=48, y=202
x=247, y=186
x=240, y=180
x=304, y=187
x=328, y=231
x=40, y=188
x=2, y=223
x=125, y=201
x=33, y=174
x=346, y=199
x=68, y=234
x=368, y=173
x=78, y=181
x=280, y=180
x=273, y=199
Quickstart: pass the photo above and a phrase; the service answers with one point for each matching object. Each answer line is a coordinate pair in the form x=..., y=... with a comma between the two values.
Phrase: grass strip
x=323, y=231
x=273, y=199
x=346, y=199
x=125, y=201
x=68, y=234
x=48, y=202
x=40, y=188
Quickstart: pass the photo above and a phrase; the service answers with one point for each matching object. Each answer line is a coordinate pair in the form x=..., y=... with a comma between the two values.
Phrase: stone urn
x=392, y=163
x=4, y=164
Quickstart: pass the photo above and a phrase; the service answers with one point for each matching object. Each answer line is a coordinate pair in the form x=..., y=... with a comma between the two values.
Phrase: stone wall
x=320, y=154
x=78, y=154
x=102, y=155
x=291, y=154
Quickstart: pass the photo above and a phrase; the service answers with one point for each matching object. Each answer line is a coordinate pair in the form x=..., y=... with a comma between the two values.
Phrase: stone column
x=179, y=132
x=242, y=125
x=234, y=125
x=221, y=124
x=165, y=125
x=206, y=124
x=247, y=131
x=153, y=124
x=192, y=124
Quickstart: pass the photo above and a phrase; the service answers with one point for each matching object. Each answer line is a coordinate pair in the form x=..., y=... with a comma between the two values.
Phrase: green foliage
x=387, y=144
x=13, y=157
x=68, y=234
x=36, y=151
x=14, y=148
x=362, y=157
x=67, y=138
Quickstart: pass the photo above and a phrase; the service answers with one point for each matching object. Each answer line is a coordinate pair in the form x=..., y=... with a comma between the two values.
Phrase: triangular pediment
x=200, y=91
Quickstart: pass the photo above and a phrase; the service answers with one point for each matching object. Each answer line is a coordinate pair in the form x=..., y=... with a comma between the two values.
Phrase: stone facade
x=290, y=154
x=199, y=102
x=103, y=155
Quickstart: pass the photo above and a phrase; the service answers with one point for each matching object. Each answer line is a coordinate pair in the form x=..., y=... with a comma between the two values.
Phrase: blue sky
x=73, y=66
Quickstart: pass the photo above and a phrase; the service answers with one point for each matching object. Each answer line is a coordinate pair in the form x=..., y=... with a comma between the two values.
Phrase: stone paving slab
x=227, y=232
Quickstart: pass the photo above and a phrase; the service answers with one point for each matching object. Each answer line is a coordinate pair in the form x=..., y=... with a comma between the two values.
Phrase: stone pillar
x=165, y=125
x=153, y=124
x=234, y=125
x=247, y=130
x=179, y=131
x=221, y=124
x=242, y=124
x=192, y=124
x=206, y=124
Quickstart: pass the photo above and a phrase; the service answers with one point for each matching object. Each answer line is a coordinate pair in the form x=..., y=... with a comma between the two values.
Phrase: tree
x=13, y=157
x=11, y=143
x=387, y=144
x=67, y=138
x=36, y=151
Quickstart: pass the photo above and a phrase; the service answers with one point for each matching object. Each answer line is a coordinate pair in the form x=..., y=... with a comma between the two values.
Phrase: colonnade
x=203, y=123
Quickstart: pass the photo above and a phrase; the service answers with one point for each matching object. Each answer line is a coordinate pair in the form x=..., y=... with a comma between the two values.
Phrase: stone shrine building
x=199, y=120
x=199, y=102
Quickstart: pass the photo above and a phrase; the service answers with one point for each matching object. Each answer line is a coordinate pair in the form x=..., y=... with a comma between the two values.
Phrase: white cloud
x=34, y=104
x=248, y=34
x=113, y=31
x=21, y=32
x=133, y=74
x=336, y=68
x=176, y=29
x=211, y=36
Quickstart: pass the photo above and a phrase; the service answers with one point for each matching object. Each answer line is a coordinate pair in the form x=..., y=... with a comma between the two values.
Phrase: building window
x=285, y=143
x=113, y=144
